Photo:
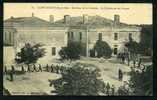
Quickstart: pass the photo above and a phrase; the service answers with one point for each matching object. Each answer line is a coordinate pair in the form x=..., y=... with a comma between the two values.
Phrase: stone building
x=55, y=35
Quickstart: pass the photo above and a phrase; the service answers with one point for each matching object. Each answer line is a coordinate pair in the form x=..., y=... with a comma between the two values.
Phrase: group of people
x=10, y=73
x=109, y=89
x=53, y=68
x=123, y=57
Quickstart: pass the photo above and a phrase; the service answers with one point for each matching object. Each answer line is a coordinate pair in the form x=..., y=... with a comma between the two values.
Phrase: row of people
x=39, y=68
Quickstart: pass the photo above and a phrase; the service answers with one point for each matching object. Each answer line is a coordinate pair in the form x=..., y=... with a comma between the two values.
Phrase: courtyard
x=37, y=83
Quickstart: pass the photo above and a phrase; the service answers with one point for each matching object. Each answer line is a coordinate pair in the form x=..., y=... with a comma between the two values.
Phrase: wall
x=108, y=36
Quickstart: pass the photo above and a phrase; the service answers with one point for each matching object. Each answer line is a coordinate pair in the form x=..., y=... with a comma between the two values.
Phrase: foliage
x=72, y=51
x=141, y=81
x=80, y=79
x=123, y=91
x=103, y=49
x=133, y=46
x=146, y=43
x=30, y=53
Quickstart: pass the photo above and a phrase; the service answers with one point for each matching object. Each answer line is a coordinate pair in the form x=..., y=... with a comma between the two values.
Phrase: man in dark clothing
x=52, y=70
x=113, y=89
x=5, y=70
x=123, y=58
x=120, y=75
x=47, y=68
x=34, y=67
x=139, y=63
x=11, y=76
x=28, y=68
x=22, y=68
x=13, y=69
x=57, y=69
x=134, y=62
x=40, y=69
x=12, y=72
x=107, y=88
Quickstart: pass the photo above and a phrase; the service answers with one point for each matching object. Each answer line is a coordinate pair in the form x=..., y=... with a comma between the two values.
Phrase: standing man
x=107, y=88
x=47, y=68
x=120, y=74
x=22, y=69
x=28, y=68
x=112, y=89
x=40, y=69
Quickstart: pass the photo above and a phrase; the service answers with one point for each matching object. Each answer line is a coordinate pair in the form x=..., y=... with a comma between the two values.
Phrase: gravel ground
x=36, y=83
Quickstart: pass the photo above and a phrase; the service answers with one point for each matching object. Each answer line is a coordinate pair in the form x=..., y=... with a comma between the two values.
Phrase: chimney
x=66, y=19
x=11, y=17
x=116, y=19
x=51, y=19
x=85, y=18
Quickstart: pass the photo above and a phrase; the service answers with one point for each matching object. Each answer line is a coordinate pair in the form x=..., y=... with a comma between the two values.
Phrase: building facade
x=55, y=35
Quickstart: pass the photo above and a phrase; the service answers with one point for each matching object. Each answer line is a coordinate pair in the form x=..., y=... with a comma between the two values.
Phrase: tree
x=146, y=43
x=141, y=81
x=80, y=79
x=72, y=51
x=103, y=49
x=133, y=48
x=30, y=53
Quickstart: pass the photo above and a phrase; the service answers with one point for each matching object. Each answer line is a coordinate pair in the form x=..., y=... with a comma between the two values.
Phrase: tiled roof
x=93, y=22
x=30, y=21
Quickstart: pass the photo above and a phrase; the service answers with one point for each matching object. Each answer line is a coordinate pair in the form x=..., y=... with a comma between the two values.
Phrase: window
x=100, y=36
x=115, y=51
x=130, y=36
x=115, y=36
x=53, y=51
x=68, y=34
x=72, y=34
x=80, y=36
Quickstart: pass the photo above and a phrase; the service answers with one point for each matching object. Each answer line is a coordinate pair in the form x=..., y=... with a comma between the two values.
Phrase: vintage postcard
x=78, y=49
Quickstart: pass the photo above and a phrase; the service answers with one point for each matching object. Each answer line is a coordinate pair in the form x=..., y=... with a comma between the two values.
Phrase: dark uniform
x=120, y=74
x=47, y=68
x=107, y=88
x=28, y=68
x=22, y=68
x=40, y=69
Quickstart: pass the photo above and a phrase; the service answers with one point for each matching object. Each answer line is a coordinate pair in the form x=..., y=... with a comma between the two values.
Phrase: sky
x=130, y=13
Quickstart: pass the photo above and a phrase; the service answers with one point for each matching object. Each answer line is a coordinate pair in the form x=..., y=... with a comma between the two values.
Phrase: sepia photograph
x=79, y=49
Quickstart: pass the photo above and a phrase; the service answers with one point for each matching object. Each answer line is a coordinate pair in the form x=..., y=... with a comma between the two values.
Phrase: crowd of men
x=35, y=68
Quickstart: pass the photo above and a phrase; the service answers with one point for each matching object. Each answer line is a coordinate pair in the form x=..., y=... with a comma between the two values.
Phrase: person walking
x=123, y=58
x=5, y=70
x=52, y=70
x=113, y=90
x=47, y=68
x=11, y=76
x=28, y=68
x=40, y=68
x=107, y=88
x=139, y=63
x=13, y=69
x=120, y=74
x=12, y=72
x=134, y=63
x=22, y=68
